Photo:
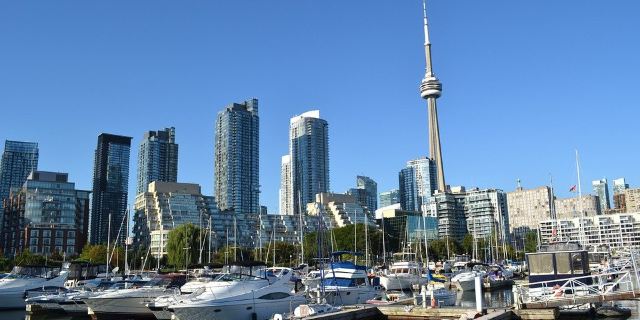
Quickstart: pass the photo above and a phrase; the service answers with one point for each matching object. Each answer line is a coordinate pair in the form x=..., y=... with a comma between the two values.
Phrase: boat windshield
x=228, y=277
x=344, y=282
x=25, y=272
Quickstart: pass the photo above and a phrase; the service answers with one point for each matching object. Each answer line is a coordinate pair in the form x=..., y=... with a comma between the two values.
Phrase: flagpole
x=581, y=215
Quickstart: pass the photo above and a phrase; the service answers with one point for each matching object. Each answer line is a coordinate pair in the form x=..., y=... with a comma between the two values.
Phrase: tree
x=344, y=240
x=94, y=253
x=467, y=244
x=531, y=241
x=26, y=258
x=185, y=236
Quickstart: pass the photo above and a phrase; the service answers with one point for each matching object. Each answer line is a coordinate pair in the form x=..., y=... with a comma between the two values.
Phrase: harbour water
x=495, y=299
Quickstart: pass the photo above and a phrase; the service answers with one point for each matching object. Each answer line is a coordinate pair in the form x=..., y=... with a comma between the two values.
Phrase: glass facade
x=157, y=158
x=417, y=184
x=236, y=171
x=309, y=150
x=110, y=187
x=18, y=160
x=601, y=189
x=51, y=211
x=390, y=197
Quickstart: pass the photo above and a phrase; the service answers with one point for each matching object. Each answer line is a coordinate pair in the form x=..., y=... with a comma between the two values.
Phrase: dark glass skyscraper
x=309, y=150
x=110, y=186
x=236, y=172
x=18, y=160
x=157, y=158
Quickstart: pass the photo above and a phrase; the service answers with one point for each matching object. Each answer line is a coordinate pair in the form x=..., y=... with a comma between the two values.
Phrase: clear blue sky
x=525, y=83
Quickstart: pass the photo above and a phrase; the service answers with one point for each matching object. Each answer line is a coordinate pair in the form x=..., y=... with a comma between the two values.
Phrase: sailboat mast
x=108, y=243
x=579, y=200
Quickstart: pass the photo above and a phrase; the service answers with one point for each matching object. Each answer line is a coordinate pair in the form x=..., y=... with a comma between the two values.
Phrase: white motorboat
x=23, y=278
x=129, y=301
x=465, y=281
x=260, y=303
x=344, y=284
x=243, y=278
x=403, y=274
x=312, y=279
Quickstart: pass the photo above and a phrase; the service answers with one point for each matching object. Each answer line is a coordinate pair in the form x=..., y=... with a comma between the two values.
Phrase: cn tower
x=431, y=89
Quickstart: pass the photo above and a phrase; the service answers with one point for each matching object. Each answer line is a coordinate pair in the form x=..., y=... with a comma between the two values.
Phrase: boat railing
x=569, y=290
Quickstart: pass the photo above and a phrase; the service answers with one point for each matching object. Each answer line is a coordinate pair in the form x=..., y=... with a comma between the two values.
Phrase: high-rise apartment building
x=615, y=231
x=18, y=160
x=449, y=208
x=286, y=198
x=571, y=208
x=601, y=189
x=167, y=205
x=309, y=151
x=417, y=184
x=46, y=215
x=390, y=197
x=157, y=158
x=236, y=161
x=487, y=215
x=527, y=207
x=632, y=200
x=619, y=186
x=110, y=188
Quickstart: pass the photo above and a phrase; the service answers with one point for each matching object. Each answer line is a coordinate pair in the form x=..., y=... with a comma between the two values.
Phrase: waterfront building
x=236, y=160
x=309, y=151
x=157, y=158
x=281, y=227
x=570, y=207
x=619, y=186
x=339, y=209
x=632, y=199
x=487, y=214
x=402, y=228
x=390, y=197
x=286, y=195
x=617, y=231
x=601, y=189
x=110, y=188
x=417, y=184
x=449, y=208
x=46, y=215
x=368, y=196
x=164, y=207
x=527, y=207
x=18, y=160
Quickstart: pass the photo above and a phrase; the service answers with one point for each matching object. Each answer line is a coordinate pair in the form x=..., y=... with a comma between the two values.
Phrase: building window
x=33, y=249
x=59, y=233
x=34, y=233
x=46, y=250
x=58, y=241
x=71, y=234
x=33, y=241
x=70, y=249
x=71, y=242
x=46, y=233
x=58, y=248
x=46, y=241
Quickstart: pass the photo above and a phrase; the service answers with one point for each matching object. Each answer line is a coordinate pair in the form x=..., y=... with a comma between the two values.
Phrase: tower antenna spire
x=427, y=43
x=430, y=90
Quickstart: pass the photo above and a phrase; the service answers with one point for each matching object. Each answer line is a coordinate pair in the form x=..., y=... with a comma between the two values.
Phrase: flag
x=572, y=188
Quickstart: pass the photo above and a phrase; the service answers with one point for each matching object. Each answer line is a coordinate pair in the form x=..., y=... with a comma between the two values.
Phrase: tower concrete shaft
x=431, y=89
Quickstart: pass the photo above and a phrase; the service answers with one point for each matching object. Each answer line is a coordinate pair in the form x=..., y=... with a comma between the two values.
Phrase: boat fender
x=277, y=316
x=377, y=288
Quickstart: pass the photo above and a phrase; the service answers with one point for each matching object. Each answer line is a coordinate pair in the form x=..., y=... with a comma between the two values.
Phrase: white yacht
x=403, y=274
x=23, y=278
x=344, y=283
x=131, y=300
x=260, y=303
x=238, y=279
x=465, y=281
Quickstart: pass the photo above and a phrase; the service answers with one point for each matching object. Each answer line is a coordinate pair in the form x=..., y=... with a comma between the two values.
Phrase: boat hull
x=393, y=282
x=465, y=284
x=239, y=310
x=119, y=307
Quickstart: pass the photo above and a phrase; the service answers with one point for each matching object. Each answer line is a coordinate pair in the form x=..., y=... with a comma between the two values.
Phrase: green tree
x=531, y=241
x=344, y=240
x=94, y=253
x=467, y=244
x=27, y=258
x=185, y=236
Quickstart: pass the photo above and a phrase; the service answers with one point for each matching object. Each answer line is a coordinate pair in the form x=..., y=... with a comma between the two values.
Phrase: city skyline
x=522, y=142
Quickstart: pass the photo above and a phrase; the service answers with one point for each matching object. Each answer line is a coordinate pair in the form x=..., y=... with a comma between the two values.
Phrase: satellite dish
x=115, y=269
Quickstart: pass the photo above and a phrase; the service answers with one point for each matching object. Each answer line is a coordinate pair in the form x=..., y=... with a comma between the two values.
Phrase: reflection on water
x=21, y=315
